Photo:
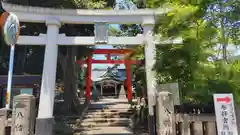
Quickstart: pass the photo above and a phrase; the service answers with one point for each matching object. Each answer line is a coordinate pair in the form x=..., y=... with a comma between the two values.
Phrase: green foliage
x=194, y=63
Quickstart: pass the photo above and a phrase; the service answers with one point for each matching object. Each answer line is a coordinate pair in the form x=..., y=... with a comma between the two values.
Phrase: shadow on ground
x=62, y=118
x=70, y=125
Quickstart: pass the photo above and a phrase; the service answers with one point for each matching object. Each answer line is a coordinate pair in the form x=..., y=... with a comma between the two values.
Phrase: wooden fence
x=198, y=119
x=195, y=124
x=192, y=119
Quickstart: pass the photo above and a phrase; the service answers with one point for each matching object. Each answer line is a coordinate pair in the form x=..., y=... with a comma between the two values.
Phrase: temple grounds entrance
x=54, y=18
x=109, y=53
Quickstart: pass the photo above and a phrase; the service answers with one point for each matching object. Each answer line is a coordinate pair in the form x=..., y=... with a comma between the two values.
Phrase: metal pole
x=10, y=30
x=10, y=72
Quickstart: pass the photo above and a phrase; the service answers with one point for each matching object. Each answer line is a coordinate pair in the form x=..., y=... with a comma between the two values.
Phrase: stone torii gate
x=54, y=18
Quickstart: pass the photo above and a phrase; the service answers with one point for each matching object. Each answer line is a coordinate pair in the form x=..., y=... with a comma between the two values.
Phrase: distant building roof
x=110, y=74
x=101, y=72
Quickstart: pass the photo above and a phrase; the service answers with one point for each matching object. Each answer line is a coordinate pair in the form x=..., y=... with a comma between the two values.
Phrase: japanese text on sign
x=18, y=128
x=225, y=114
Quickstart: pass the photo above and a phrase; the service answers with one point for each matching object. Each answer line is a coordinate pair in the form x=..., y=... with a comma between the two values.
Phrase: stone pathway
x=107, y=117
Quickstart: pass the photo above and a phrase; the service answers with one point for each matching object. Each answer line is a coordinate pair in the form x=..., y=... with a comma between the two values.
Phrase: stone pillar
x=150, y=54
x=122, y=93
x=172, y=88
x=23, y=115
x=3, y=120
x=45, y=120
x=165, y=114
x=101, y=89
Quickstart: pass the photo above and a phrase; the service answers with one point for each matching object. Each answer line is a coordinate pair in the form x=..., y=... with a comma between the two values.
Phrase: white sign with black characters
x=225, y=114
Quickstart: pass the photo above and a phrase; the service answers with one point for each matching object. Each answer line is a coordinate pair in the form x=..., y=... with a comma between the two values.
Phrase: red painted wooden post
x=89, y=78
x=129, y=80
x=108, y=57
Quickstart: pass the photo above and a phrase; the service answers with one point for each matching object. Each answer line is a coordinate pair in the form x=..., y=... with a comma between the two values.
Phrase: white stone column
x=150, y=54
x=45, y=119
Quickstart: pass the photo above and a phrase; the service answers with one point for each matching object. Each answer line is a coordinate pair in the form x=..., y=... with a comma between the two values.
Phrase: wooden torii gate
x=108, y=52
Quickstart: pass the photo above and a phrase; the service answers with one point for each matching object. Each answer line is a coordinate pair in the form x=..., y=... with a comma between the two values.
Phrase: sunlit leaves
x=195, y=63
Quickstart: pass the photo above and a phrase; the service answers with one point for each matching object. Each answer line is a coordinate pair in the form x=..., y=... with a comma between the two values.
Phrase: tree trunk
x=71, y=100
x=20, y=57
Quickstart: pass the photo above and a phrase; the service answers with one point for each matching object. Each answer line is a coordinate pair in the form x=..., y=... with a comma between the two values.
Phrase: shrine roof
x=109, y=75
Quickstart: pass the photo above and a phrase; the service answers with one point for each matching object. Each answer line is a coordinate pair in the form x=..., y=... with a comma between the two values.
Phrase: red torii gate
x=108, y=52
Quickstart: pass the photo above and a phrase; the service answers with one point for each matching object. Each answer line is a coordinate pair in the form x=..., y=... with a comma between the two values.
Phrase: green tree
x=193, y=63
x=67, y=69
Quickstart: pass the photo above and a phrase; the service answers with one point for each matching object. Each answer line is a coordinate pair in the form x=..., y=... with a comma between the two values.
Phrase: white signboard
x=225, y=114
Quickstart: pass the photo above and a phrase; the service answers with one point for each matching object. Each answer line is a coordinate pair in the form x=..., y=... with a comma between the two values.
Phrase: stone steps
x=101, y=124
x=109, y=112
x=105, y=131
x=111, y=115
x=112, y=109
x=106, y=117
x=100, y=119
x=109, y=106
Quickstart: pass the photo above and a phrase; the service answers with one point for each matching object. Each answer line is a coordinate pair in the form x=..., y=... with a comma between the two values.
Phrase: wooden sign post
x=225, y=114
